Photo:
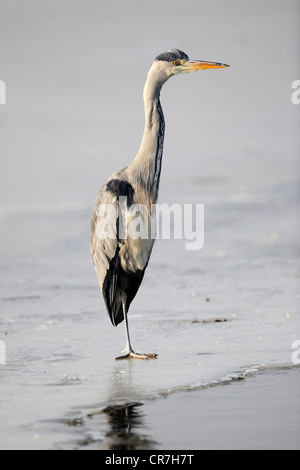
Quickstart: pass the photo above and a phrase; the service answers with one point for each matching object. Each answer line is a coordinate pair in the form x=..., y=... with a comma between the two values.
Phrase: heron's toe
x=133, y=355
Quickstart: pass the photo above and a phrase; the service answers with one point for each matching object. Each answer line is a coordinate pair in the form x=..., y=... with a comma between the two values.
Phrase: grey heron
x=120, y=262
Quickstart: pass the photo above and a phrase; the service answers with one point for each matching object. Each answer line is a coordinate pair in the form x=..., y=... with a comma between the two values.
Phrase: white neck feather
x=147, y=165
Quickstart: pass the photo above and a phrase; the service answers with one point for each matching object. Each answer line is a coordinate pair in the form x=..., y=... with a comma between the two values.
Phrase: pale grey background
x=75, y=72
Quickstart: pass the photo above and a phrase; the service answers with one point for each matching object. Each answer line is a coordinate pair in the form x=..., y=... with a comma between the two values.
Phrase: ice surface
x=74, y=115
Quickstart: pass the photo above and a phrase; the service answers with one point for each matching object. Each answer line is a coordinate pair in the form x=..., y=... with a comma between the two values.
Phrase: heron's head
x=174, y=61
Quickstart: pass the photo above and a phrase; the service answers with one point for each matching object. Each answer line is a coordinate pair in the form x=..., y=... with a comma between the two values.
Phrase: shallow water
x=211, y=315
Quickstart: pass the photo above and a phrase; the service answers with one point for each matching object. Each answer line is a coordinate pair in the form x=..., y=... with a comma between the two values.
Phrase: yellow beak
x=193, y=65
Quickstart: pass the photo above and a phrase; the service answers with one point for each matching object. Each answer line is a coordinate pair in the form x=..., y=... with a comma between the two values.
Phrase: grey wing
x=105, y=247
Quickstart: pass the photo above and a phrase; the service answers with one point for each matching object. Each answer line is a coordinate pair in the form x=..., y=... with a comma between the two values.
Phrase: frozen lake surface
x=211, y=316
x=232, y=144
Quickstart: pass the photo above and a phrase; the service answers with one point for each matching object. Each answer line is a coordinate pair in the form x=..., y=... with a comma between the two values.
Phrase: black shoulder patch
x=120, y=188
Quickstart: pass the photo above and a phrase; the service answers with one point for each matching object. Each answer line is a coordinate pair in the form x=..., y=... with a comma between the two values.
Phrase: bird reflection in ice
x=125, y=428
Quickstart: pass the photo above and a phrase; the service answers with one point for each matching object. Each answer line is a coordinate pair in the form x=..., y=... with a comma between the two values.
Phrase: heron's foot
x=134, y=355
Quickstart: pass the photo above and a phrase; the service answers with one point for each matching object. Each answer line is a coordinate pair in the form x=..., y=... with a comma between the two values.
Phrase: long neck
x=146, y=167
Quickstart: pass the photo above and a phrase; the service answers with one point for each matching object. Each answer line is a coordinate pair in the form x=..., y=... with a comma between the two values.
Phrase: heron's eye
x=176, y=62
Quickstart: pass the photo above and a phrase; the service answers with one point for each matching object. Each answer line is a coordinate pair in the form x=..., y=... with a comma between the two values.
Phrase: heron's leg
x=129, y=352
x=128, y=348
